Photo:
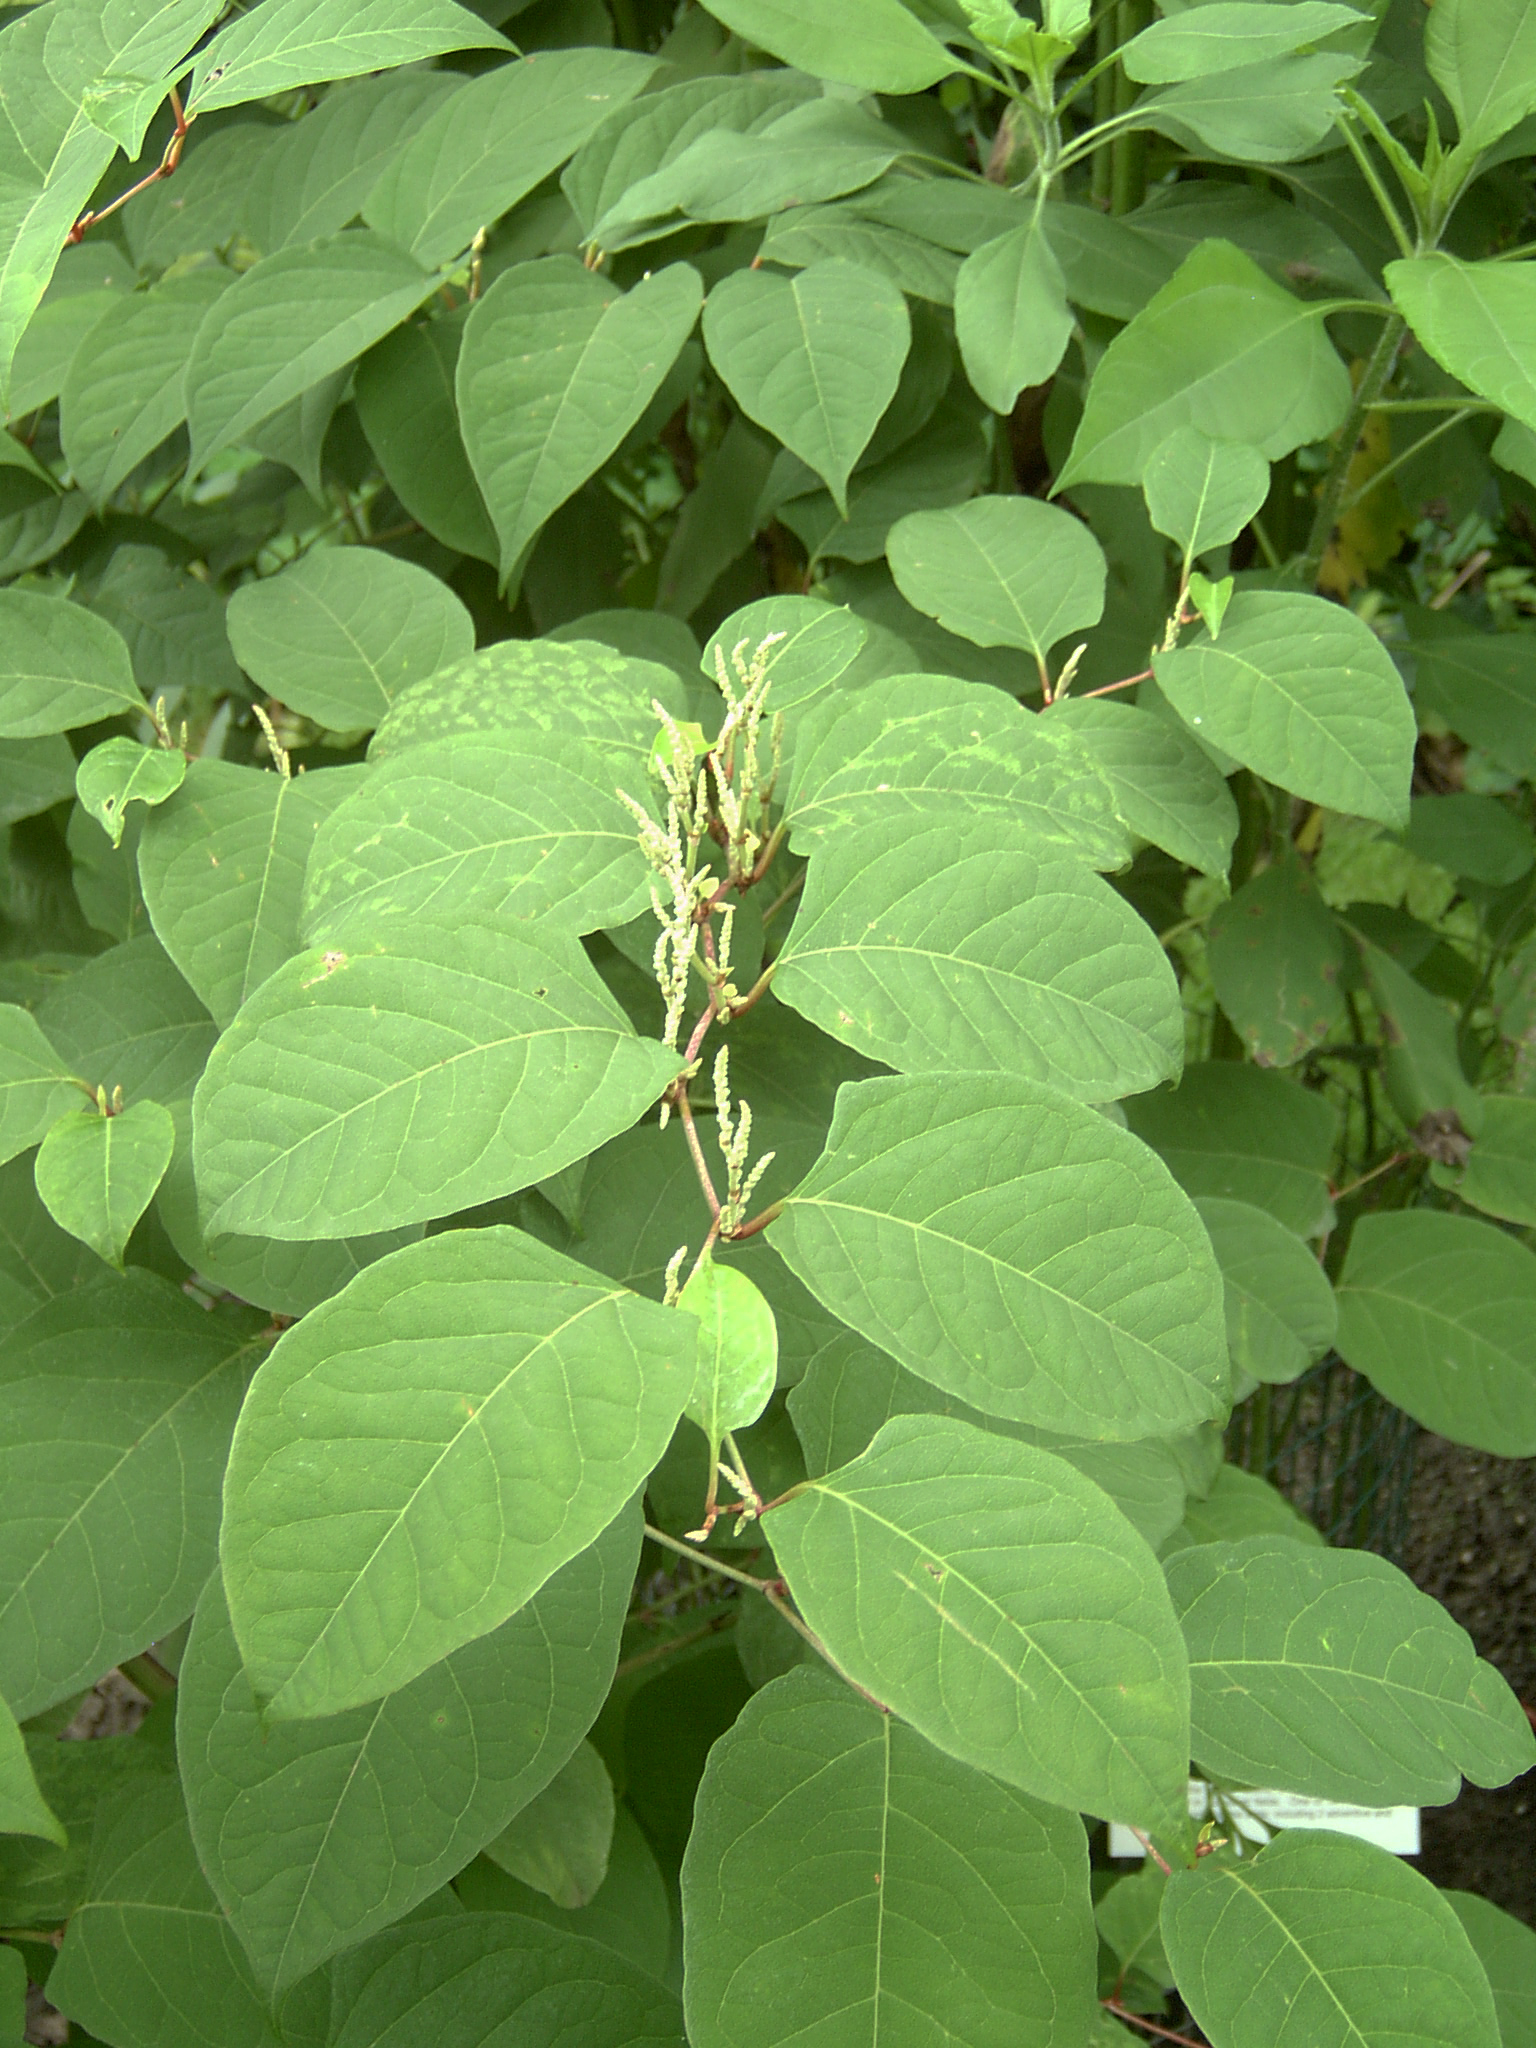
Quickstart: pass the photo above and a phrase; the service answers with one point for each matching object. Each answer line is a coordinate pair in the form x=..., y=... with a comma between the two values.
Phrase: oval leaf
x=342, y=631
x=316, y=1835
x=515, y=1402
x=1002, y=1604
x=449, y=1065
x=1303, y=693
x=1004, y=572
x=1439, y=1313
x=1327, y=1672
x=814, y=358
x=1328, y=1935
x=817, y=1813
x=97, y=1172
x=556, y=366
x=1016, y=1249
x=933, y=949
x=60, y=667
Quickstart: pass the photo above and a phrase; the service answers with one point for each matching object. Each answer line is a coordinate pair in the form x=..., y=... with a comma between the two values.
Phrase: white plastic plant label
x=1255, y=1816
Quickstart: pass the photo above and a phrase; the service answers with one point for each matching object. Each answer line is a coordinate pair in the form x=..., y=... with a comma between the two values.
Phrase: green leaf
x=802, y=235
x=342, y=631
x=1226, y=34
x=152, y=1961
x=35, y=1083
x=288, y=43
x=559, y=1842
x=938, y=467
x=23, y=1809
x=576, y=687
x=37, y=1259
x=1222, y=348
x=1004, y=572
x=522, y=1400
x=874, y=44
x=1326, y=1934
x=814, y=646
x=125, y=388
x=97, y=1172
x=648, y=134
x=1481, y=685
x=448, y=1063
x=287, y=323
x=969, y=1230
x=1302, y=692
x=493, y=141
x=738, y=1352
x=509, y=826
x=1281, y=1314
x=1327, y=1672
x=630, y=1914
x=814, y=358
x=1167, y=790
x=850, y=1389
x=35, y=775
x=1277, y=962
x=288, y=1279
x=935, y=949
x=464, y=1981
x=53, y=158
x=222, y=867
x=173, y=625
x=813, y=151
x=556, y=366
x=114, y=58
x=1269, y=113
x=316, y=173
x=120, y=772
x=61, y=667
x=828, y=1832
x=1474, y=836
x=995, y=1598
x=1242, y=1134
x=1475, y=320
x=1199, y=491
x=1481, y=54
x=1439, y=1313
x=1422, y=1065
x=1238, y=1505
x=403, y=392
x=127, y=1020
x=128, y=1395
x=1012, y=320
x=1506, y=1948
x=316, y=1834
x=1500, y=1174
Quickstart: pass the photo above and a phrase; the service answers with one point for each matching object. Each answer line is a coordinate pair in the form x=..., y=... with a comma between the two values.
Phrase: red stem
x=1136, y=2019
x=1125, y=683
x=164, y=169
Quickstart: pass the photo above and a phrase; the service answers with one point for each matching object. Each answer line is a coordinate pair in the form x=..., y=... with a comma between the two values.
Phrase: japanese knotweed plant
x=766, y=770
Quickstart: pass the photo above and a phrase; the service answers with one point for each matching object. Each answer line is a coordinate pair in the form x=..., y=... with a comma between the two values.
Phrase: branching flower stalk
x=727, y=800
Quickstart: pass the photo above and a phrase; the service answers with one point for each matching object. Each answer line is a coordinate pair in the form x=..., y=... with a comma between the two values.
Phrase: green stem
x=1379, y=192
x=1407, y=455
x=1446, y=404
x=1104, y=106
x=710, y=1564
x=1128, y=153
x=1372, y=383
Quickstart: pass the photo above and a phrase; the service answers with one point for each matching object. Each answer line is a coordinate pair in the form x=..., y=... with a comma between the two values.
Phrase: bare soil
x=1471, y=1523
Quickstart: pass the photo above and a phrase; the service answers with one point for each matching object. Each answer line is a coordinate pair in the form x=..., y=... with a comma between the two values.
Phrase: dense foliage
x=768, y=770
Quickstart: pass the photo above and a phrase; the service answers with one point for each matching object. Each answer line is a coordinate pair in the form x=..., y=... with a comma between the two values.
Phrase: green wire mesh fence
x=1336, y=1450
